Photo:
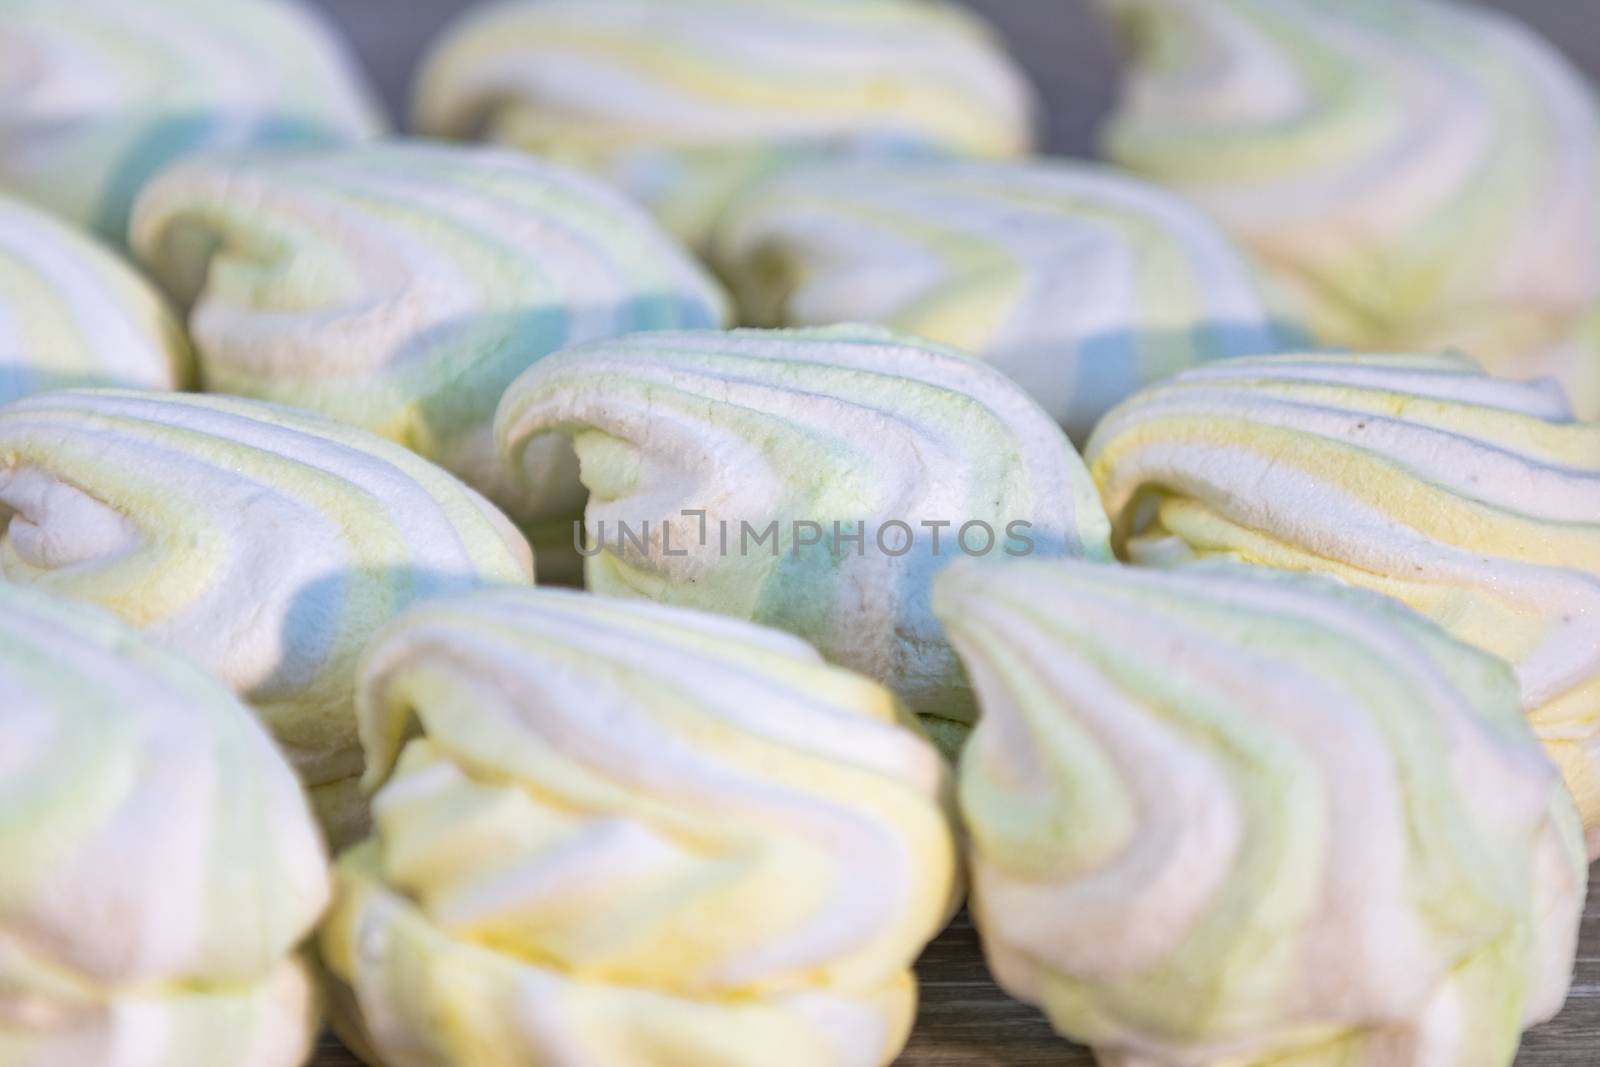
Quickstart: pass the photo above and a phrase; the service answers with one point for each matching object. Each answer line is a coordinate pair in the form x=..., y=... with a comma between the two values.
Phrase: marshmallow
x=1423, y=173
x=615, y=832
x=1474, y=500
x=837, y=470
x=1079, y=282
x=264, y=544
x=682, y=102
x=1225, y=816
x=158, y=862
x=97, y=96
x=72, y=313
x=402, y=287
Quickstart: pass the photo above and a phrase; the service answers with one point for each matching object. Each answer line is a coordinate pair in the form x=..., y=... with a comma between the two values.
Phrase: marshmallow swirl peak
x=96, y=96
x=402, y=287
x=1474, y=500
x=1220, y=815
x=1424, y=173
x=1079, y=282
x=836, y=471
x=264, y=544
x=158, y=863
x=634, y=834
x=72, y=313
x=681, y=102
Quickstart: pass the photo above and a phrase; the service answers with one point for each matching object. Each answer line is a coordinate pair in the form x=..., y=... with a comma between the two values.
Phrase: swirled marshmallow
x=1472, y=499
x=1423, y=173
x=615, y=832
x=265, y=544
x=158, y=862
x=97, y=96
x=681, y=103
x=1079, y=282
x=402, y=287
x=1221, y=815
x=810, y=480
x=73, y=314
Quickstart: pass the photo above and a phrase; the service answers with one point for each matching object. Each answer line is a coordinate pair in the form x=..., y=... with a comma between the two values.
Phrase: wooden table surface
x=966, y=1021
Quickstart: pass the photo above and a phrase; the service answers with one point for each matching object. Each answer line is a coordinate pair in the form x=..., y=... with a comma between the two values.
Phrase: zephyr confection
x=812, y=480
x=158, y=863
x=1221, y=815
x=635, y=834
x=681, y=102
x=264, y=544
x=1472, y=499
x=402, y=287
x=1079, y=282
x=72, y=313
x=96, y=96
x=1423, y=173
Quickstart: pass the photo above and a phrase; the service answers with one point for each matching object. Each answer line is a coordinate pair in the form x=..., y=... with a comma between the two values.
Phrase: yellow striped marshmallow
x=265, y=544
x=680, y=102
x=158, y=862
x=97, y=96
x=72, y=313
x=1472, y=499
x=1422, y=173
x=1080, y=282
x=615, y=832
x=1225, y=816
x=812, y=480
x=402, y=287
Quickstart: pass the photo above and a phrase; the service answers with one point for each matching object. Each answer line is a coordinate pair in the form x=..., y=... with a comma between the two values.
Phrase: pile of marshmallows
x=1226, y=514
